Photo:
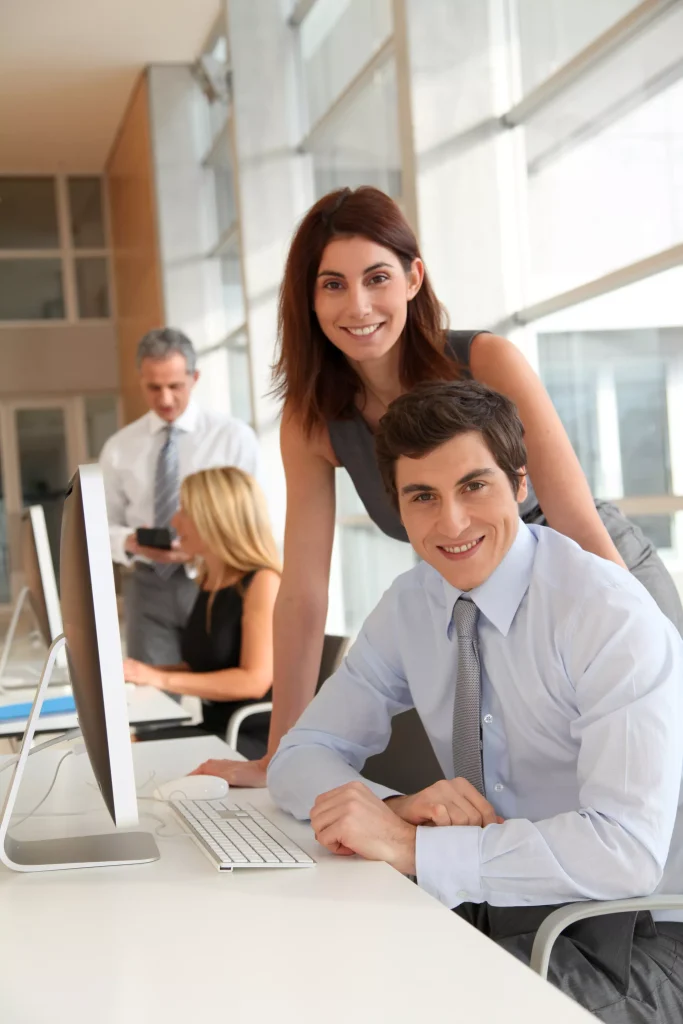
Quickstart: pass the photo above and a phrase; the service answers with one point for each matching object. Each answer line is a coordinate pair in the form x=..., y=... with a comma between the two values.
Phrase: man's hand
x=351, y=819
x=250, y=774
x=175, y=556
x=448, y=802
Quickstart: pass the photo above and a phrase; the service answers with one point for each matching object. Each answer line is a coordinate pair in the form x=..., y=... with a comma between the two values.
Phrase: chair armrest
x=237, y=717
x=555, y=923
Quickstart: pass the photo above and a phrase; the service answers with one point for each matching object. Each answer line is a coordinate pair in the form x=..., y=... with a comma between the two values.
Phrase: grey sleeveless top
x=353, y=444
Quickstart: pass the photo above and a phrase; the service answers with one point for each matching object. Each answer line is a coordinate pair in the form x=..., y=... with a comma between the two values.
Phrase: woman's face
x=361, y=296
x=188, y=535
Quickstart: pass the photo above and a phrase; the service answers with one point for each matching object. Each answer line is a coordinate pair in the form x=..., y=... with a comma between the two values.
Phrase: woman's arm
x=560, y=484
x=301, y=606
x=253, y=678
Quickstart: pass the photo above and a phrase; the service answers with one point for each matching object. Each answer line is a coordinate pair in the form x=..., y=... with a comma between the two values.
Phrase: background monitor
x=39, y=573
x=93, y=642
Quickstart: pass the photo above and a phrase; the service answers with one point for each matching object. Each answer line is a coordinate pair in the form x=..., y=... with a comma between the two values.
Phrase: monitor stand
x=108, y=850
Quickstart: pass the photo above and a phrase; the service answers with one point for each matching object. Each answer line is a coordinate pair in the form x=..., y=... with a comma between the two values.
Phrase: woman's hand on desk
x=249, y=774
x=144, y=675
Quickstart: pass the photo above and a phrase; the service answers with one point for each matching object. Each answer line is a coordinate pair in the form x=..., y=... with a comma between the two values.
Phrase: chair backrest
x=408, y=764
x=334, y=649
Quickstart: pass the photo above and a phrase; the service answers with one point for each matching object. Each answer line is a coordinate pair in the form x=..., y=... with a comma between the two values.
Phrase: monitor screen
x=93, y=642
x=39, y=573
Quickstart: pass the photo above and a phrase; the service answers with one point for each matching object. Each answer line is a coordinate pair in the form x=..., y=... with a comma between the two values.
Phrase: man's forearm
x=299, y=774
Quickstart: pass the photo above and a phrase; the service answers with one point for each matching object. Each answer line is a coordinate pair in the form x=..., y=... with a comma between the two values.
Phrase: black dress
x=219, y=648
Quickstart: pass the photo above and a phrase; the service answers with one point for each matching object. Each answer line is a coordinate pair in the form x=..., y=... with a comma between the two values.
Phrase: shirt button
x=499, y=787
x=488, y=719
x=462, y=895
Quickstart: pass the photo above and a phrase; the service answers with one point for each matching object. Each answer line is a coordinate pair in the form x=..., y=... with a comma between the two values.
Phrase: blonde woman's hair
x=229, y=511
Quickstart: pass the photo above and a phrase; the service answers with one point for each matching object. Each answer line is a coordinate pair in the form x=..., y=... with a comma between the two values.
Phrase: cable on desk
x=15, y=824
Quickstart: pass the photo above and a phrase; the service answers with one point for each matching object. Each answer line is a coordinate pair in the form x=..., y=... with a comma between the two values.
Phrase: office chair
x=555, y=923
x=334, y=649
x=408, y=764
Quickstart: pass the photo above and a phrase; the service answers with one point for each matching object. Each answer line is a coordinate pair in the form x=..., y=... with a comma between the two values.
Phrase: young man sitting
x=551, y=688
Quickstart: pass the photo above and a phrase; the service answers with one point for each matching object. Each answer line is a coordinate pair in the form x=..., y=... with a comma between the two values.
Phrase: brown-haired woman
x=360, y=325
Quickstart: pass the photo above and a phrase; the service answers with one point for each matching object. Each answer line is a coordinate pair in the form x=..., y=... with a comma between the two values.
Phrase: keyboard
x=238, y=836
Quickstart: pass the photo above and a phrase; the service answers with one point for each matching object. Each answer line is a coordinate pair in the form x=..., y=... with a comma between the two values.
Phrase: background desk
x=146, y=706
x=175, y=942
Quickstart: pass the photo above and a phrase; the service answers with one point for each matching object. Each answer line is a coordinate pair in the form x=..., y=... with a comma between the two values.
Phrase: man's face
x=167, y=385
x=458, y=509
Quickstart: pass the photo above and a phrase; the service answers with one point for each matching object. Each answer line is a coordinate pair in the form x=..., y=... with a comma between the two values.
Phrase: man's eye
x=422, y=498
x=474, y=485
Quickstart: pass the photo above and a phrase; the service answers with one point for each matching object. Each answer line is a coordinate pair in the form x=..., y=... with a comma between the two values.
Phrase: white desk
x=176, y=942
x=146, y=706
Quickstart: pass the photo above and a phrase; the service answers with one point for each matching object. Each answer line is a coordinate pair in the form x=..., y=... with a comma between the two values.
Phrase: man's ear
x=195, y=377
x=523, y=488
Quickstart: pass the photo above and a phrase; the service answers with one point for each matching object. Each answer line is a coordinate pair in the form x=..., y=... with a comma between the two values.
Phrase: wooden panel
x=58, y=359
x=129, y=176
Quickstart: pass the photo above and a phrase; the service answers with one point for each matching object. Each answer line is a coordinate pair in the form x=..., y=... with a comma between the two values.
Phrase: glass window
x=92, y=287
x=605, y=164
x=551, y=32
x=31, y=289
x=220, y=163
x=338, y=37
x=85, y=208
x=28, y=213
x=233, y=298
x=5, y=595
x=616, y=391
x=239, y=379
x=370, y=560
x=101, y=421
x=361, y=146
x=41, y=438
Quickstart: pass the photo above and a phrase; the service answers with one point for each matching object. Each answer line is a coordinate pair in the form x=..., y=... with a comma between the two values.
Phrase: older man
x=143, y=466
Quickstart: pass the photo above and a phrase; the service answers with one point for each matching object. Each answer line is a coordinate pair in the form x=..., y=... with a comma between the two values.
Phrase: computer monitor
x=39, y=573
x=93, y=648
x=39, y=590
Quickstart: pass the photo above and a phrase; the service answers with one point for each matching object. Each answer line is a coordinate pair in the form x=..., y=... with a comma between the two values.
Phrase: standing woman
x=360, y=325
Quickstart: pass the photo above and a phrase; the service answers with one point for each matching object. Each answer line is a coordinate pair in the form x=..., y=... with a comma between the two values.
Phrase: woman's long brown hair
x=310, y=374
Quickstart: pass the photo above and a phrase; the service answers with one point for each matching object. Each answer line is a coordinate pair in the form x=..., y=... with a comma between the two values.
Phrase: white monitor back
x=93, y=642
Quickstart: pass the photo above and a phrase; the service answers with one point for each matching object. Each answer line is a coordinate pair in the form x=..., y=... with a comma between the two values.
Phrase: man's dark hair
x=432, y=414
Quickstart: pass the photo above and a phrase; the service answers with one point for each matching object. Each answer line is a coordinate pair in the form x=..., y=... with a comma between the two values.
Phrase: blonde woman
x=227, y=644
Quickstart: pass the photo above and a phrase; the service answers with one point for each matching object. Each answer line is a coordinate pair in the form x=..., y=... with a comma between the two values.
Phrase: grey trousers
x=639, y=555
x=156, y=613
x=624, y=968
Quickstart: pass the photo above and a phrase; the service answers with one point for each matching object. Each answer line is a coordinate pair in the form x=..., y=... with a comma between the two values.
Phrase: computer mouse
x=193, y=787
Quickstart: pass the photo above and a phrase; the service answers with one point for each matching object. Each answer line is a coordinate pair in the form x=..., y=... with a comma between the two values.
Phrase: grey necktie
x=467, y=763
x=167, y=489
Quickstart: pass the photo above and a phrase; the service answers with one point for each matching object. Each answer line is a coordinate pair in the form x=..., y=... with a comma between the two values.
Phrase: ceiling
x=67, y=69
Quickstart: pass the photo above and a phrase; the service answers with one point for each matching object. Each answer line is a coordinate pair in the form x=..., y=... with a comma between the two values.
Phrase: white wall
x=193, y=300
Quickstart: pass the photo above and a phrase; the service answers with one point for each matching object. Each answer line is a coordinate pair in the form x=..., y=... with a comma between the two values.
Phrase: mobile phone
x=156, y=537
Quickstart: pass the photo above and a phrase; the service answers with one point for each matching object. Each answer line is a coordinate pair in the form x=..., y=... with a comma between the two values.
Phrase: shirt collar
x=187, y=421
x=499, y=597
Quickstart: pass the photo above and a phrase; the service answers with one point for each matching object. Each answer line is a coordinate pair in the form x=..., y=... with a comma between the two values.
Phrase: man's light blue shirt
x=582, y=726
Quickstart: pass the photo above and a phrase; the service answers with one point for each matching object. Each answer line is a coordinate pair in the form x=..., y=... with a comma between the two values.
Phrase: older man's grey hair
x=164, y=342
